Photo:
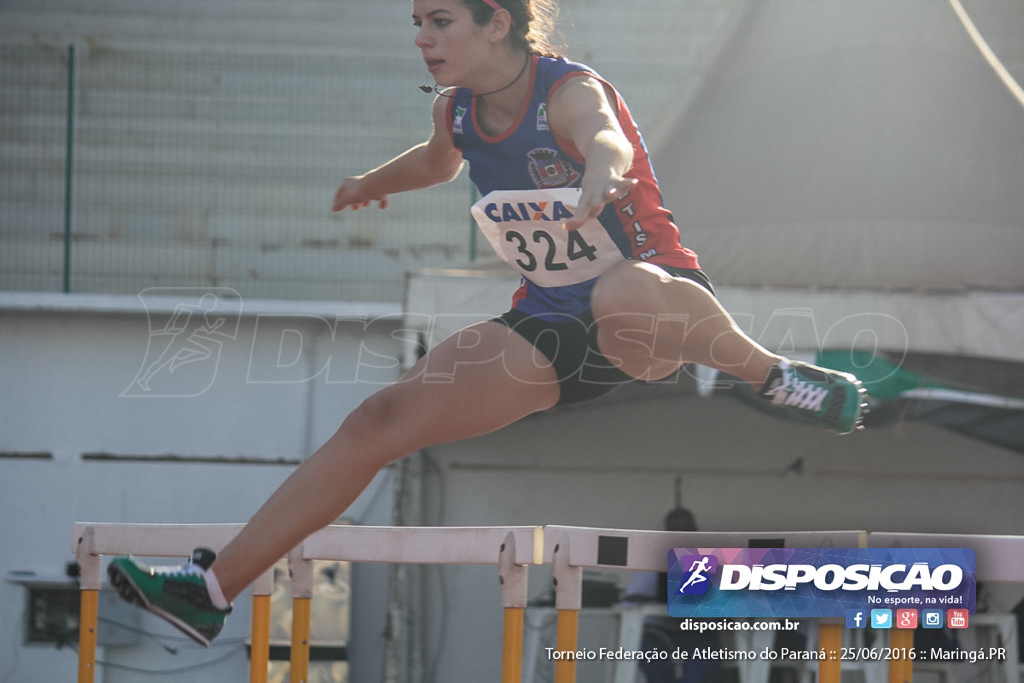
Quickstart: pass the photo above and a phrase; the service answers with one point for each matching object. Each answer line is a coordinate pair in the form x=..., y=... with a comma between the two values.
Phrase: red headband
x=493, y=4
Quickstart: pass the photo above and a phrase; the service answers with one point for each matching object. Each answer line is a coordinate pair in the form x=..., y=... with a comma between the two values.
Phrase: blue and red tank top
x=529, y=179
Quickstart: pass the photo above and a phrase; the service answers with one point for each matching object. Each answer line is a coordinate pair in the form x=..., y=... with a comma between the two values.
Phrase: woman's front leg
x=651, y=323
x=477, y=381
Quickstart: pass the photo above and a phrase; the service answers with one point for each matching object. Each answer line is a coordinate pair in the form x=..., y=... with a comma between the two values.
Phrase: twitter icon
x=881, y=618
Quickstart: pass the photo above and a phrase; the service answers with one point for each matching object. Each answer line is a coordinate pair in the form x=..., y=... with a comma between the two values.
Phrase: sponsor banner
x=818, y=582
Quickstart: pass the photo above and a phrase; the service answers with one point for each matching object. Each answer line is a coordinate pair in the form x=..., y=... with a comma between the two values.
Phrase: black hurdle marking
x=612, y=550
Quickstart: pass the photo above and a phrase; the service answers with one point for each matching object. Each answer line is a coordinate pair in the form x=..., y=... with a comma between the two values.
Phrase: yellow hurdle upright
x=512, y=575
x=512, y=646
x=568, y=580
x=90, y=600
x=566, y=642
x=830, y=639
x=301, y=570
x=901, y=666
x=301, y=612
x=259, y=657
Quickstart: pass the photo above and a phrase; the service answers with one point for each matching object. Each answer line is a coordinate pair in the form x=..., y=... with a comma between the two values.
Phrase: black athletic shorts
x=570, y=343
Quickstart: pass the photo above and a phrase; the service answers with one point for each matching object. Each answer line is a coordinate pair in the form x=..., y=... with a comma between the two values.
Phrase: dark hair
x=533, y=23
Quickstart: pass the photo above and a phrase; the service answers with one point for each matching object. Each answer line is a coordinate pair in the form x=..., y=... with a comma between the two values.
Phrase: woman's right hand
x=352, y=194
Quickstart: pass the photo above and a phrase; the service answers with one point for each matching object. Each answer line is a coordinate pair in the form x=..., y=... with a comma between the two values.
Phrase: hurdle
x=90, y=542
x=1000, y=559
x=571, y=549
x=511, y=549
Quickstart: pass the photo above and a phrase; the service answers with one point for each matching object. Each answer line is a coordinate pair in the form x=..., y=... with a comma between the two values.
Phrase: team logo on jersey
x=548, y=170
x=460, y=113
x=542, y=116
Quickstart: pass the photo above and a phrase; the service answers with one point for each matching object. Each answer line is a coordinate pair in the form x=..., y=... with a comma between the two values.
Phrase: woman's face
x=454, y=48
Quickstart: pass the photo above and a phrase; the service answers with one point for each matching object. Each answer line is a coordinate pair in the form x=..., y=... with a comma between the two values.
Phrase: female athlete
x=608, y=295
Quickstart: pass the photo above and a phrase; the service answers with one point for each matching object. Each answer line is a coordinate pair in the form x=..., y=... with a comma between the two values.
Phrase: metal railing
x=123, y=169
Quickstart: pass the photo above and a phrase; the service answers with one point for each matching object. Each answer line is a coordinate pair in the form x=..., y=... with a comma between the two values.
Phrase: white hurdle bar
x=570, y=549
x=511, y=549
x=1000, y=559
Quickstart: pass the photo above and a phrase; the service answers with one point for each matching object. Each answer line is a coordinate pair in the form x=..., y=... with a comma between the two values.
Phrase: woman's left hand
x=594, y=196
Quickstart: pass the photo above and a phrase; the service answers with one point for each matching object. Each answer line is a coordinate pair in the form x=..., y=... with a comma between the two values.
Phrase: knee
x=372, y=426
x=630, y=289
x=373, y=412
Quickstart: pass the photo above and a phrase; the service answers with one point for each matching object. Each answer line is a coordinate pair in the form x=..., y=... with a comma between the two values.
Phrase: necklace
x=436, y=88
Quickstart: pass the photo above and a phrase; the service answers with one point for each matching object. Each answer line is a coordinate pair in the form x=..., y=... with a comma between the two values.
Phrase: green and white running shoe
x=177, y=594
x=834, y=399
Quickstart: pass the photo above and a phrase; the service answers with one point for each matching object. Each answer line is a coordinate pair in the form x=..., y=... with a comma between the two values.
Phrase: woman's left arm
x=581, y=111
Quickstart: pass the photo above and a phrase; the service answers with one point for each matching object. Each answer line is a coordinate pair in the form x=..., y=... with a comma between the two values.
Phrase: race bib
x=525, y=229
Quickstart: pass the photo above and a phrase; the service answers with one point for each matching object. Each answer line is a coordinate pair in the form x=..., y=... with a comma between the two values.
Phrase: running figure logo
x=696, y=580
x=187, y=330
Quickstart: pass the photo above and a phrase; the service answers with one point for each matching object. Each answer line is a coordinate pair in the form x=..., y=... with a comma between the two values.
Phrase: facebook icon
x=856, y=618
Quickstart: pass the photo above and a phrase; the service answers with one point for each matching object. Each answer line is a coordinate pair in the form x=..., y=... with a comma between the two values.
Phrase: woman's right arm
x=427, y=164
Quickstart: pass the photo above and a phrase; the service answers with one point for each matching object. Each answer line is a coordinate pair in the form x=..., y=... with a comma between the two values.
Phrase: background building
x=851, y=172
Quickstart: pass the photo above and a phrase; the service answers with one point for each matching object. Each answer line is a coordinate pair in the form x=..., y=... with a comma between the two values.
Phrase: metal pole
x=301, y=615
x=87, y=635
x=565, y=644
x=830, y=637
x=260, y=654
x=901, y=666
x=68, y=164
x=301, y=571
x=512, y=645
x=568, y=580
x=90, y=582
x=512, y=577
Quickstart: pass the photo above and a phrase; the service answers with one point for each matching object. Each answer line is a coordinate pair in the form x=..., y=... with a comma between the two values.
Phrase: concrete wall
x=82, y=440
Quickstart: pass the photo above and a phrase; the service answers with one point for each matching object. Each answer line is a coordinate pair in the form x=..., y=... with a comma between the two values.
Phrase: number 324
x=577, y=248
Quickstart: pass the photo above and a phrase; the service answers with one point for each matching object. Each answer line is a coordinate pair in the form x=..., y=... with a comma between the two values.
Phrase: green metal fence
x=122, y=170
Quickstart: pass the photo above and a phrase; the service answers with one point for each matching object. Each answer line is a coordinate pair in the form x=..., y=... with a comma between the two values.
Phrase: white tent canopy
x=854, y=144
